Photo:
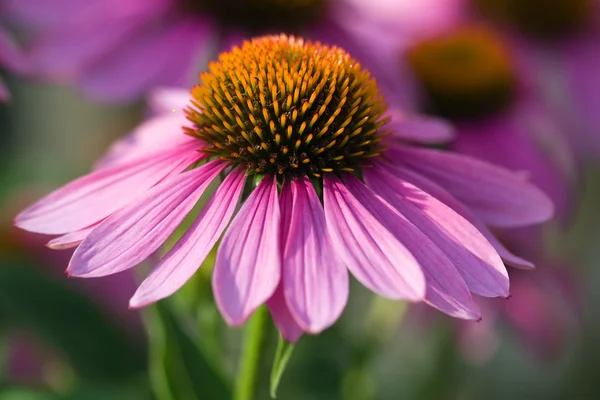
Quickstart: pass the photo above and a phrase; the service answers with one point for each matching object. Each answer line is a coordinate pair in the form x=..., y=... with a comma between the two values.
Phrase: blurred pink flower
x=117, y=50
x=543, y=313
x=563, y=44
x=287, y=142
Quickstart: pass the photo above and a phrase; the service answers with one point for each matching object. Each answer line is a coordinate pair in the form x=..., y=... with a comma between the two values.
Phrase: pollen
x=284, y=106
x=466, y=73
x=261, y=15
x=541, y=18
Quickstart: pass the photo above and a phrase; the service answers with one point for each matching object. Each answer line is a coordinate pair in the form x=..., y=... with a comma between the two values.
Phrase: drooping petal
x=473, y=256
x=70, y=240
x=496, y=195
x=156, y=134
x=248, y=265
x=182, y=261
x=315, y=281
x=369, y=250
x=95, y=196
x=439, y=193
x=446, y=290
x=282, y=317
x=133, y=233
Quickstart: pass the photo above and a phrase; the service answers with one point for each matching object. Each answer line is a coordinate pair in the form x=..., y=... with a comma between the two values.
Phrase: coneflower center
x=280, y=105
x=464, y=74
x=261, y=15
x=543, y=18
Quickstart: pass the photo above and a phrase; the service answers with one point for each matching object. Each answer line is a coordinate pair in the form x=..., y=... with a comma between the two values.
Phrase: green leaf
x=178, y=367
x=69, y=322
x=282, y=356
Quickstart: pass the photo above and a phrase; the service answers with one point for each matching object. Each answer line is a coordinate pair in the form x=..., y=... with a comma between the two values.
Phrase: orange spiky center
x=466, y=73
x=260, y=15
x=280, y=105
x=542, y=18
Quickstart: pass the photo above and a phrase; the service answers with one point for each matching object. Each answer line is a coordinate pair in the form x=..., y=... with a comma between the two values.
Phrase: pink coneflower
x=11, y=59
x=117, y=50
x=327, y=183
x=563, y=36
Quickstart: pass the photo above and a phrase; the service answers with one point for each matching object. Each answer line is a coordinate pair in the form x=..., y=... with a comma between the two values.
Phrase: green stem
x=255, y=340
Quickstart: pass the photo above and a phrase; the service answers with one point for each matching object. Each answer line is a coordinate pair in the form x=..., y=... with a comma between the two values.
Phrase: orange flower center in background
x=285, y=106
x=466, y=73
x=542, y=18
x=261, y=15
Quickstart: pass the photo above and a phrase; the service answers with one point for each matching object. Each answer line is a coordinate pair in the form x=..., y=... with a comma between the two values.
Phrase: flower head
x=327, y=185
x=306, y=109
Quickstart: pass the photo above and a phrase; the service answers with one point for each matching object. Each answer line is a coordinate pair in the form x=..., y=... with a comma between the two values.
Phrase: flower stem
x=255, y=340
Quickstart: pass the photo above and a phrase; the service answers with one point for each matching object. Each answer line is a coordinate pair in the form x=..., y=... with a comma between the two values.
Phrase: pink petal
x=95, y=196
x=446, y=290
x=425, y=130
x=133, y=233
x=169, y=100
x=496, y=195
x=369, y=250
x=439, y=193
x=473, y=256
x=182, y=261
x=70, y=240
x=315, y=281
x=153, y=135
x=282, y=317
x=248, y=265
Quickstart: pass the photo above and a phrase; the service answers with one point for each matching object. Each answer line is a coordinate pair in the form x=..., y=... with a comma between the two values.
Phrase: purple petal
x=496, y=195
x=369, y=250
x=95, y=196
x=473, y=256
x=439, y=193
x=248, y=265
x=135, y=66
x=315, y=281
x=70, y=240
x=182, y=261
x=133, y=233
x=446, y=290
x=282, y=317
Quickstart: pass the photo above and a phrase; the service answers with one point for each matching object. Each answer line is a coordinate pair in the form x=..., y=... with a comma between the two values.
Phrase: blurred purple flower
x=413, y=230
x=117, y=50
x=562, y=43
